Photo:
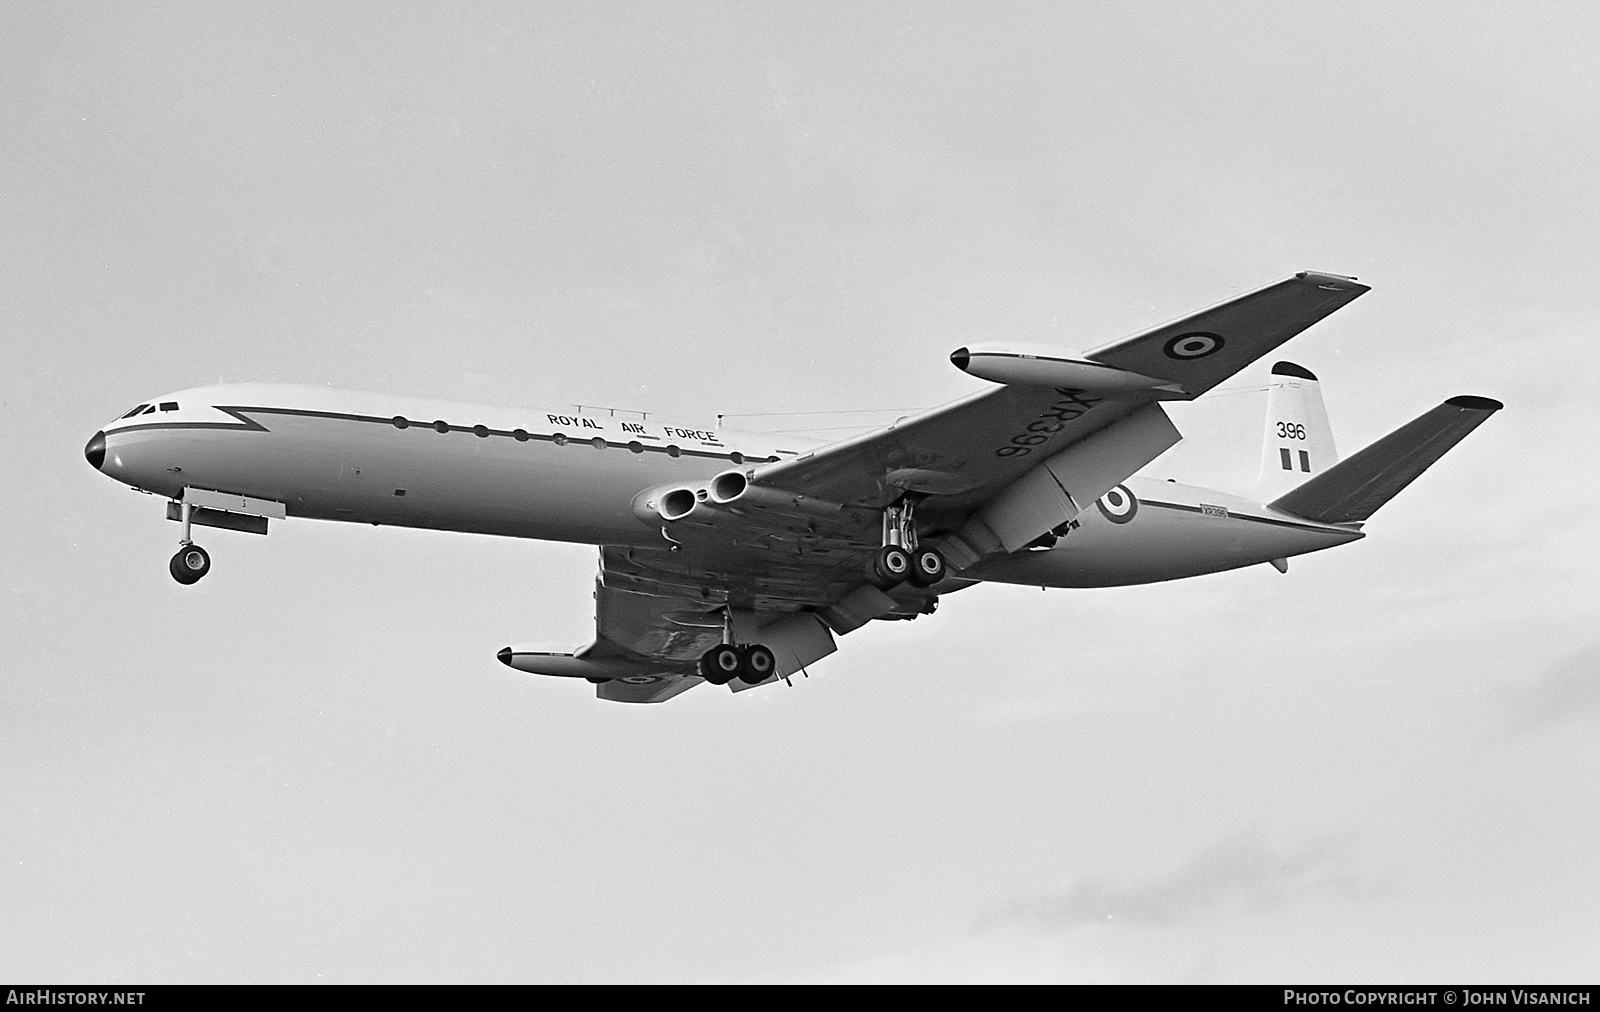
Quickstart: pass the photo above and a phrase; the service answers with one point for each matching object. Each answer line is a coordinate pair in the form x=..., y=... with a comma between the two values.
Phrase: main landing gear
x=751, y=663
x=901, y=559
x=192, y=562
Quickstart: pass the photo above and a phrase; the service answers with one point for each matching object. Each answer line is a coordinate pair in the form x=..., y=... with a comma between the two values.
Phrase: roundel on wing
x=640, y=679
x=1118, y=505
x=1195, y=344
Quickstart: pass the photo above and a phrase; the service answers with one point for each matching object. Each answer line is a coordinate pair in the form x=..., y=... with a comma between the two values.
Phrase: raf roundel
x=1118, y=505
x=1195, y=344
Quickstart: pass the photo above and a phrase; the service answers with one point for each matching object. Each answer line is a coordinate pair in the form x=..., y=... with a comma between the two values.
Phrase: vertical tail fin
x=1298, y=441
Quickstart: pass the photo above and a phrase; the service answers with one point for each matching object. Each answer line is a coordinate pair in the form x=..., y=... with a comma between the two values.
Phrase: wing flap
x=1058, y=489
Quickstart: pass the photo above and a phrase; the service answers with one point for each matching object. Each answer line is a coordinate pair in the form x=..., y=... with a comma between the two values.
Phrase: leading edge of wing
x=960, y=452
x=1202, y=349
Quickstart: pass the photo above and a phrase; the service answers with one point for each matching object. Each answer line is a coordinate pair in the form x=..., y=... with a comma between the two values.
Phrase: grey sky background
x=310, y=767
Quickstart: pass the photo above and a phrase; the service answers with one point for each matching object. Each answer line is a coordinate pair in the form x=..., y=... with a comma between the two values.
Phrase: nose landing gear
x=192, y=562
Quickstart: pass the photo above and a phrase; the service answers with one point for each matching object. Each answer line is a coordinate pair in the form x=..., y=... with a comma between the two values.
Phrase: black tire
x=927, y=567
x=756, y=664
x=190, y=564
x=719, y=664
x=890, y=566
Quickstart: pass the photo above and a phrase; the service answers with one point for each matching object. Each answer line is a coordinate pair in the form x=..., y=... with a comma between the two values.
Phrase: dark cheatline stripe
x=250, y=424
x=1239, y=516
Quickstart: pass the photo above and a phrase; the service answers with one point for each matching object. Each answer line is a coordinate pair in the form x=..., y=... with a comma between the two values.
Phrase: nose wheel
x=190, y=564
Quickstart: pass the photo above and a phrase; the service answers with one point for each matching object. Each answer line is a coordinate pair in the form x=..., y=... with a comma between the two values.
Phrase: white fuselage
x=567, y=476
x=373, y=458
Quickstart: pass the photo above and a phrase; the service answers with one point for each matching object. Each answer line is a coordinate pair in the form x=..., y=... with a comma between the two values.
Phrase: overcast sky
x=310, y=767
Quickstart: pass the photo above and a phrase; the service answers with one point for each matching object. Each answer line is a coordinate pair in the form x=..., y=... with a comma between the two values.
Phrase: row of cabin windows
x=560, y=438
x=150, y=409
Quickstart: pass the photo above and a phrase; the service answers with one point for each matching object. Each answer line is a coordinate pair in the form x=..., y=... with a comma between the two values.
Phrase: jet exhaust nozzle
x=670, y=504
x=677, y=503
x=729, y=486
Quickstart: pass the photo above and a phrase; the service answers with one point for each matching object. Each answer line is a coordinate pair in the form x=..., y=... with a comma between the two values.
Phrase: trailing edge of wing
x=1352, y=490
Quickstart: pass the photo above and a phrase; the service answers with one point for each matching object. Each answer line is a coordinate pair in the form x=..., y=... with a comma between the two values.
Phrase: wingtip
x=1472, y=403
x=1323, y=279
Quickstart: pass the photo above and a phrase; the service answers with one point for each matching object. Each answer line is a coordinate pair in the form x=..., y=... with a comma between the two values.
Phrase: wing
x=960, y=452
x=964, y=451
x=647, y=644
x=1201, y=350
x=783, y=555
x=661, y=636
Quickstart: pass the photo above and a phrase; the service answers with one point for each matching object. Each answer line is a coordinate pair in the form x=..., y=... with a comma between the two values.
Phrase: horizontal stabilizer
x=1352, y=490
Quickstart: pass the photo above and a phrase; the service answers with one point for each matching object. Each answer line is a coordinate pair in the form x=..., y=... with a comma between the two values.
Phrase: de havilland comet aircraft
x=736, y=558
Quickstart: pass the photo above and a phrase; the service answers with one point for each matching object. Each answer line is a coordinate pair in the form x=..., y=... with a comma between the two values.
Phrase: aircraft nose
x=95, y=451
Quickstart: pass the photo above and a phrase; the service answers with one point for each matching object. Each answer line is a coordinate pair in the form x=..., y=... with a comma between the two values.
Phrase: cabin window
x=560, y=439
x=598, y=442
x=441, y=426
x=401, y=422
x=520, y=435
x=481, y=431
x=636, y=446
x=672, y=450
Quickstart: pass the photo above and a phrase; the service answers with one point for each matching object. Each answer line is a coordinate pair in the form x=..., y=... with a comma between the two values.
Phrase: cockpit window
x=169, y=405
x=135, y=411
